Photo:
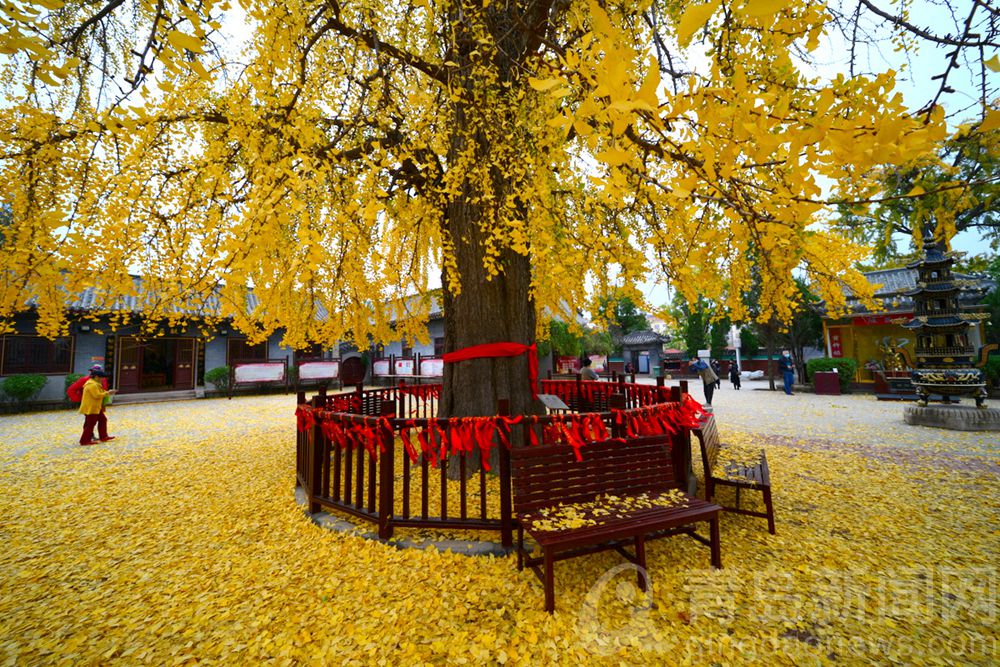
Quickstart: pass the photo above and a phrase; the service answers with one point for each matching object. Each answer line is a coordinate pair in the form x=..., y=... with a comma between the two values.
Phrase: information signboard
x=433, y=368
x=405, y=367
x=380, y=367
x=259, y=372
x=319, y=370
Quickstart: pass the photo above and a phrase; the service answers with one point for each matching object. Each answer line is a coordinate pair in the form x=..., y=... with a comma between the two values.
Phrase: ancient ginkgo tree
x=527, y=154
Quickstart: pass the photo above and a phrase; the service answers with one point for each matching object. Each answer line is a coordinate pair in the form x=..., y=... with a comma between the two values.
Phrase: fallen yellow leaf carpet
x=180, y=543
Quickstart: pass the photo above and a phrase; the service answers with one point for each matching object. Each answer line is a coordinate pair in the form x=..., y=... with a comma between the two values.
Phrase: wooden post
x=680, y=449
x=506, y=502
x=300, y=397
x=660, y=380
x=617, y=402
x=386, y=473
x=359, y=393
x=317, y=451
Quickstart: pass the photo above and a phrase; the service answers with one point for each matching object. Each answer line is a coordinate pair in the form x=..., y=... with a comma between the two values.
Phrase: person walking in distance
x=92, y=408
x=717, y=369
x=708, y=377
x=787, y=368
x=734, y=374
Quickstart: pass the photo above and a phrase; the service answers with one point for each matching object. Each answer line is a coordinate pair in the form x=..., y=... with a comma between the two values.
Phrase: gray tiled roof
x=644, y=338
x=90, y=299
x=894, y=284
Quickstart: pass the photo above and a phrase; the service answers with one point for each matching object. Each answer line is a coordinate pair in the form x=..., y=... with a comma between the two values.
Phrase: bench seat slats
x=637, y=522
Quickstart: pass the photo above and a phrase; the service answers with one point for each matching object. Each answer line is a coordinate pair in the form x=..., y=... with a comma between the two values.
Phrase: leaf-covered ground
x=180, y=542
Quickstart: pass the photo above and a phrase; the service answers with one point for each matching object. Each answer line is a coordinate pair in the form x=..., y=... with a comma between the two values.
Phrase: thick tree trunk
x=486, y=310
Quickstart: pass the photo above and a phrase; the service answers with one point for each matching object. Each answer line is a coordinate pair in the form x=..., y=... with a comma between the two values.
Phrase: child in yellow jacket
x=92, y=408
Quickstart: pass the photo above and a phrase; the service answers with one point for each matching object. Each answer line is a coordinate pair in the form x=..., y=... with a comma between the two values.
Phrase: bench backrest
x=548, y=475
x=708, y=436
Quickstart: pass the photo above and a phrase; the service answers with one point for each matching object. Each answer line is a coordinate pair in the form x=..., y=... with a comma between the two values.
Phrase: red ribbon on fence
x=304, y=418
x=487, y=350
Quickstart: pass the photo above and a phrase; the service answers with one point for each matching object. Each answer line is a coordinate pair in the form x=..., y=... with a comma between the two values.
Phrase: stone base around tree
x=953, y=417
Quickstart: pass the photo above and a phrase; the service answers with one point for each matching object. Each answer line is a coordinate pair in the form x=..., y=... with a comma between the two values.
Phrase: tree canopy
x=529, y=154
x=956, y=190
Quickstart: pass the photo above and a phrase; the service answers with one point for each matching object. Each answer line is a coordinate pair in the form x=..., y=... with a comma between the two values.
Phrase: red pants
x=89, y=421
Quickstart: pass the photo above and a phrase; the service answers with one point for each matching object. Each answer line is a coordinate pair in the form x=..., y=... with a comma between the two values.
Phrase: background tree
x=805, y=329
x=599, y=342
x=719, y=328
x=945, y=194
x=561, y=341
x=992, y=303
x=693, y=323
x=354, y=153
x=749, y=342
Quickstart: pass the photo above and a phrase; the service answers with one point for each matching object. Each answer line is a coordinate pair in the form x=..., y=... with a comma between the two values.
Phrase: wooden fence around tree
x=380, y=455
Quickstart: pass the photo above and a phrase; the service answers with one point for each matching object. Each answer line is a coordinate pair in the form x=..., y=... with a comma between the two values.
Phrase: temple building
x=883, y=341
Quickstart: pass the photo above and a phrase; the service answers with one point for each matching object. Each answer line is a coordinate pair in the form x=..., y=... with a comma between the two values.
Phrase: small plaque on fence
x=552, y=402
x=319, y=370
x=264, y=372
x=405, y=366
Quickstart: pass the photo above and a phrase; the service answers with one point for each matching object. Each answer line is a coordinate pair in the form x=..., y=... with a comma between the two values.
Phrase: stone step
x=155, y=396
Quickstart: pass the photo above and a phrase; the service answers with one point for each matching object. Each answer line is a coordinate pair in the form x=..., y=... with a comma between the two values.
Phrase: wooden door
x=129, y=357
x=184, y=364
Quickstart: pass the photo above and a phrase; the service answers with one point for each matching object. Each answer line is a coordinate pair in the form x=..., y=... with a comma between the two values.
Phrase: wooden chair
x=755, y=476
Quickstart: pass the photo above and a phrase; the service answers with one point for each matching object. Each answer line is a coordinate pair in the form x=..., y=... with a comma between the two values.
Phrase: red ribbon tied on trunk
x=500, y=350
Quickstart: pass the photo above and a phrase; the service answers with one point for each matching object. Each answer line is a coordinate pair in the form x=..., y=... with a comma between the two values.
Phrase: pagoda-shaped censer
x=946, y=360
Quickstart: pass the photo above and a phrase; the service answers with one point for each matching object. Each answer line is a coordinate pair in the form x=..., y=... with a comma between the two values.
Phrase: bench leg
x=640, y=559
x=550, y=594
x=770, y=509
x=520, y=548
x=716, y=550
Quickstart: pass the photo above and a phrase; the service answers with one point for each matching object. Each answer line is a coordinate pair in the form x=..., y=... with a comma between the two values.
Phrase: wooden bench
x=751, y=473
x=550, y=484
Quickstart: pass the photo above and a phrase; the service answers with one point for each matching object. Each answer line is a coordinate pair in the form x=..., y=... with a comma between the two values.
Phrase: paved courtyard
x=180, y=543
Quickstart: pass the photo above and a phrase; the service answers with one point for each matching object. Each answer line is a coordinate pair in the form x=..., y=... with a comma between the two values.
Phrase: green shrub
x=992, y=370
x=218, y=377
x=23, y=388
x=846, y=368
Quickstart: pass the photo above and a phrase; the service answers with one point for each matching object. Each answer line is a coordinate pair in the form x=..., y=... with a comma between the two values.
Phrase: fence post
x=683, y=384
x=680, y=449
x=317, y=452
x=660, y=380
x=617, y=402
x=506, y=502
x=359, y=394
x=386, y=472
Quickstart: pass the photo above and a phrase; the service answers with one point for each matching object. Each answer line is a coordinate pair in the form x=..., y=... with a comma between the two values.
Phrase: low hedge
x=218, y=377
x=846, y=368
x=24, y=387
x=992, y=370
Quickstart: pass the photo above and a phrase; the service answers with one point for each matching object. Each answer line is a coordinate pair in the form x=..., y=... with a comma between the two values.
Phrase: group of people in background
x=710, y=373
